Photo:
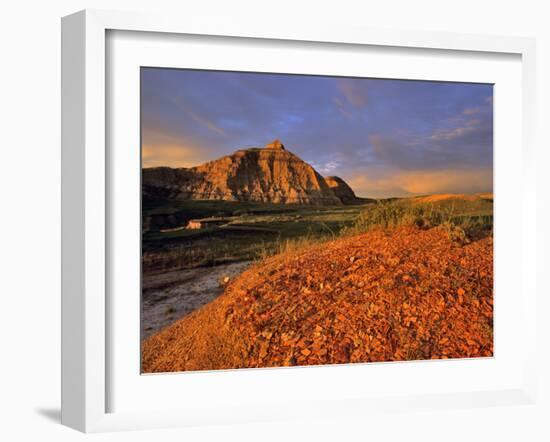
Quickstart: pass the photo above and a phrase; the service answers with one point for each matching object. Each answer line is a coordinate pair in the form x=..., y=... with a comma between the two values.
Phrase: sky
x=383, y=137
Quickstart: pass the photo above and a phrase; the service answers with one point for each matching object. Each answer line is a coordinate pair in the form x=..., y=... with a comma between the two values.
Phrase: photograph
x=302, y=220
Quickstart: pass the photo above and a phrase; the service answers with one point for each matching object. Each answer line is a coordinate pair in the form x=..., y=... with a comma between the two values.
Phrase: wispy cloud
x=355, y=92
x=326, y=168
x=466, y=142
x=471, y=111
x=342, y=108
x=172, y=155
x=211, y=125
x=348, y=127
x=396, y=182
x=161, y=148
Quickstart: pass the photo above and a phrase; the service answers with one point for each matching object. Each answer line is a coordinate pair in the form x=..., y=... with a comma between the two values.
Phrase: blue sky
x=384, y=137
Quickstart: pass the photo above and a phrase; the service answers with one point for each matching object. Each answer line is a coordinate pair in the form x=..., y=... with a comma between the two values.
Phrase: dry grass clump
x=389, y=215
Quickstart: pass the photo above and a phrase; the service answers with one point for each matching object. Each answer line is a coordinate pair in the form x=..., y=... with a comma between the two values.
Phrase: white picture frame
x=86, y=353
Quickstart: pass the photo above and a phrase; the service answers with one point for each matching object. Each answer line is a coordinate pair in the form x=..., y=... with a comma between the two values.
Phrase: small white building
x=205, y=222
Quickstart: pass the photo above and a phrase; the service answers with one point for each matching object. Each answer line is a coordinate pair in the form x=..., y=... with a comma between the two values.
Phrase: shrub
x=455, y=233
x=395, y=214
x=387, y=215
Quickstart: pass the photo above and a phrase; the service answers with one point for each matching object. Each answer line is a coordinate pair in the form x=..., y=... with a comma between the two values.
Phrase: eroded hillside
x=385, y=295
x=270, y=174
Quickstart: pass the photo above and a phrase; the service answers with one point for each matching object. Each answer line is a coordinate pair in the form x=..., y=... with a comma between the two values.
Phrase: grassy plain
x=396, y=279
x=251, y=231
x=255, y=230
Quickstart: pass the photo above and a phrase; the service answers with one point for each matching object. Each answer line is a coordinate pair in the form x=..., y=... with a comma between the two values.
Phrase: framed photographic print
x=249, y=211
x=387, y=257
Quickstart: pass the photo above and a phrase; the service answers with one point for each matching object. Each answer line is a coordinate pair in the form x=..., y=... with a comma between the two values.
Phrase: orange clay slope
x=451, y=196
x=403, y=294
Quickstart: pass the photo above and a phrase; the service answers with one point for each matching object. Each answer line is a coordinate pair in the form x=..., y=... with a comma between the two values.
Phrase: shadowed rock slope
x=271, y=174
x=342, y=190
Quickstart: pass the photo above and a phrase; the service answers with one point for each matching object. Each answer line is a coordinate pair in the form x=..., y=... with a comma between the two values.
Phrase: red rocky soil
x=403, y=294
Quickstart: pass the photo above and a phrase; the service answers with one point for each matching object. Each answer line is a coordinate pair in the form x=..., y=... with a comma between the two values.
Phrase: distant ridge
x=271, y=174
x=452, y=196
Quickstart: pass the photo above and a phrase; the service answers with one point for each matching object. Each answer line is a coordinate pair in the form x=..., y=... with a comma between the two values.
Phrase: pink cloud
x=354, y=92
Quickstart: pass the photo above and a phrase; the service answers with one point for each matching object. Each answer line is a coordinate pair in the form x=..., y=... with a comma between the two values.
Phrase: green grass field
x=253, y=230
x=257, y=230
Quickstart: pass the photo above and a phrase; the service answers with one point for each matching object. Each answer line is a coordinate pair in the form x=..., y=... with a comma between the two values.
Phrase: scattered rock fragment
x=421, y=298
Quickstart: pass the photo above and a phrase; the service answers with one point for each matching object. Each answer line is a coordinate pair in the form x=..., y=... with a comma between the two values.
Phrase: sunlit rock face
x=275, y=144
x=270, y=174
